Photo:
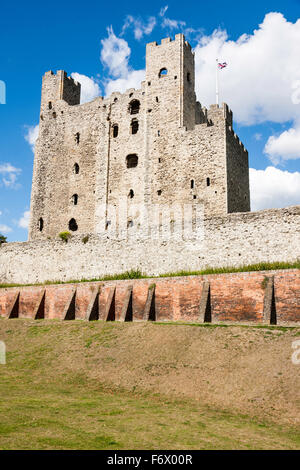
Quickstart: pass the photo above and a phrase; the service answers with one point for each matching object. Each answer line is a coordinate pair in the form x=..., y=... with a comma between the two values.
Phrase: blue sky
x=103, y=44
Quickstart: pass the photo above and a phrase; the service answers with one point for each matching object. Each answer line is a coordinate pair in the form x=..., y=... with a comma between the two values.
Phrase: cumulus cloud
x=140, y=28
x=271, y=188
x=115, y=55
x=132, y=79
x=286, y=146
x=24, y=220
x=264, y=67
x=89, y=87
x=9, y=175
x=5, y=229
x=32, y=133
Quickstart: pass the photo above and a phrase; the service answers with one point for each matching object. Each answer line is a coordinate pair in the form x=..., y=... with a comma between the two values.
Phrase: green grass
x=231, y=325
x=48, y=403
x=76, y=414
x=137, y=274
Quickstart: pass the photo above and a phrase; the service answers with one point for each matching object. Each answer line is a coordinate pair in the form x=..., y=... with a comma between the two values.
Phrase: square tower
x=170, y=78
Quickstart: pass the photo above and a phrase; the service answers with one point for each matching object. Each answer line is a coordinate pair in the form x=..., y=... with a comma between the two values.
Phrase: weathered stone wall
x=238, y=297
x=181, y=150
x=233, y=240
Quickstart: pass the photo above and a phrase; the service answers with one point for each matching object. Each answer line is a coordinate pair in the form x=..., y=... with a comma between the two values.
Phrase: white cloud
x=89, y=88
x=31, y=135
x=257, y=136
x=140, y=28
x=5, y=229
x=271, y=188
x=172, y=24
x=24, y=220
x=284, y=147
x=9, y=175
x=115, y=53
x=132, y=79
x=263, y=68
x=163, y=10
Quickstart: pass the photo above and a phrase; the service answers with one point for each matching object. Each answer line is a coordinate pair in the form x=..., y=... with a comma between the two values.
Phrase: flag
x=222, y=65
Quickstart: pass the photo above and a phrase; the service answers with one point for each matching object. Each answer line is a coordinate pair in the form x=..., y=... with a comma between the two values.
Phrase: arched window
x=41, y=224
x=134, y=126
x=73, y=225
x=163, y=72
x=131, y=160
x=75, y=199
x=134, y=107
x=131, y=194
x=115, y=130
x=76, y=168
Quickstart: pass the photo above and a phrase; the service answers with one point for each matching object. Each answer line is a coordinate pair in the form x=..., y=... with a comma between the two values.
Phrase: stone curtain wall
x=238, y=297
x=233, y=240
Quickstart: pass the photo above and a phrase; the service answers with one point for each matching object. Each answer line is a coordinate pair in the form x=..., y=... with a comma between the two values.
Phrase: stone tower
x=98, y=165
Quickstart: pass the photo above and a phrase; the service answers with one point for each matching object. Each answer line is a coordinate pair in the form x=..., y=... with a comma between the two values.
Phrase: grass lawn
x=49, y=406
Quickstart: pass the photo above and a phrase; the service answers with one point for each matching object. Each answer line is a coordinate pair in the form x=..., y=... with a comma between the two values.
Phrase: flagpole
x=217, y=84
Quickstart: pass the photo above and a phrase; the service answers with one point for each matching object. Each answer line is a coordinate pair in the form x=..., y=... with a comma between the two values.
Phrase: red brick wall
x=237, y=297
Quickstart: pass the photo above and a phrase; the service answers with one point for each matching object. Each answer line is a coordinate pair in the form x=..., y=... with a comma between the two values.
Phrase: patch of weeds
x=85, y=239
x=65, y=236
x=264, y=283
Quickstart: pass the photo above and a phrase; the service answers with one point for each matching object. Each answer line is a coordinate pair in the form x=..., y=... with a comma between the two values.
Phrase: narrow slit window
x=207, y=181
x=50, y=105
x=41, y=224
x=188, y=77
x=115, y=130
x=77, y=138
x=76, y=168
x=192, y=184
x=134, y=126
x=131, y=194
x=75, y=199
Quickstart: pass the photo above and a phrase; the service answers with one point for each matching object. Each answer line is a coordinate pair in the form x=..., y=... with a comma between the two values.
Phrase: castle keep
x=146, y=180
x=147, y=148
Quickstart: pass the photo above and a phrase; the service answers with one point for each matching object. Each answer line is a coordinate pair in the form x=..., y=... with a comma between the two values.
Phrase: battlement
x=58, y=86
x=178, y=38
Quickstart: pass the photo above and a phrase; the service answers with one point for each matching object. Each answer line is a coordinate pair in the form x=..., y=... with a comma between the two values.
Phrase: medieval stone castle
x=100, y=165
x=156, y=145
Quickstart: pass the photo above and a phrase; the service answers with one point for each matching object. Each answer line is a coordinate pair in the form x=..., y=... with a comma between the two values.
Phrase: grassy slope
x=147, y=386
